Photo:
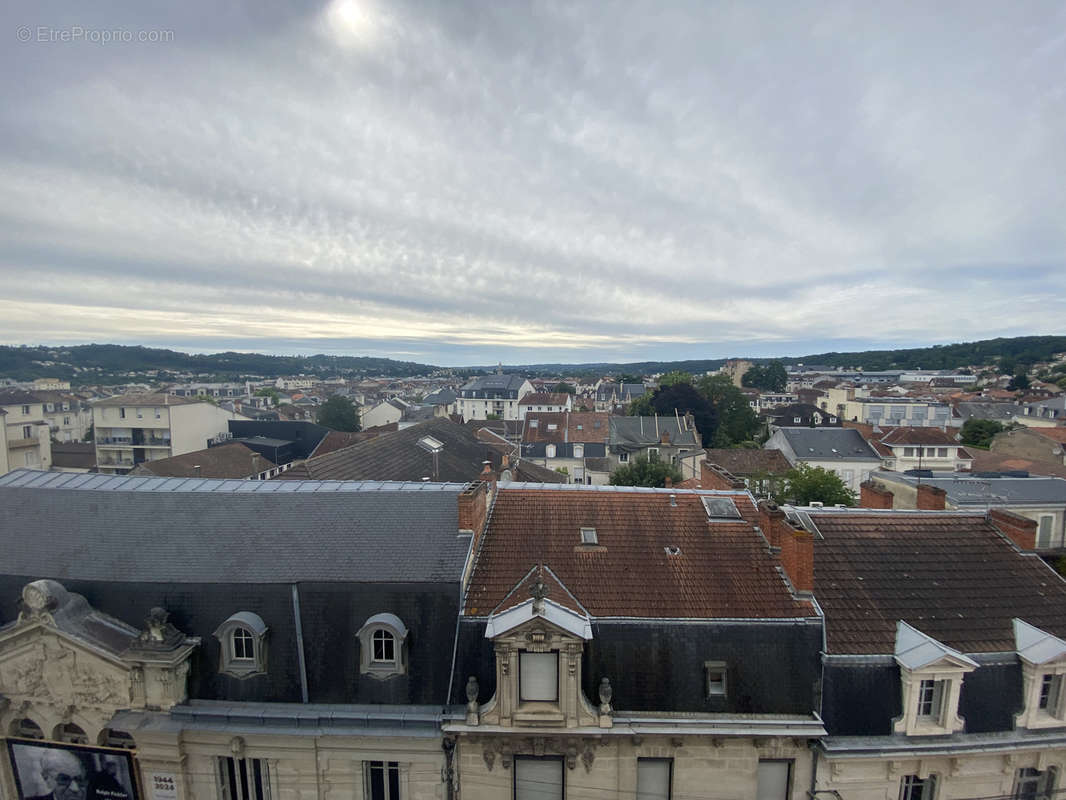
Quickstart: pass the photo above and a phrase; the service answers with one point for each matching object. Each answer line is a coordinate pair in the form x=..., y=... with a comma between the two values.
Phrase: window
x=653, y=454
x=534, y=423
x=588, y=536
x=716, y=678
x=242, y=645
x=538, y=778
x=27, y=431
x=549, y=451
x=158, y=414
x=538, y=677
x=941, y=452
x=653, y=778
x=930, y=699
x=908, y=452
x=1032, y=784
x=797, y=420
x=911, y=787
x=579, y=451
x=773, y=780
x=66, y=420
x=1051, y=693
x=382, y=646
x=1043, y=533
x=25, y=411
x=243, y=779
x=623, y=458
x=122, y=413
x=552, y=426
x=382, y=780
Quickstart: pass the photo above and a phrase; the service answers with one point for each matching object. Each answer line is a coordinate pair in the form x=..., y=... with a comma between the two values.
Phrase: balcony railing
x=15, y=444
x=115, y=462
x=114, y=440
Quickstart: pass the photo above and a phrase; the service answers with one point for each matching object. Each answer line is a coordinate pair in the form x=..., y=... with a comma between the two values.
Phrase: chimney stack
x=930, y=498
x=795, y=545
x=1020, y=530
x=873, y=496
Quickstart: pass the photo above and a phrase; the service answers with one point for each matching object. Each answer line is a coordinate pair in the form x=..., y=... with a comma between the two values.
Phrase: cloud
x=600, y=181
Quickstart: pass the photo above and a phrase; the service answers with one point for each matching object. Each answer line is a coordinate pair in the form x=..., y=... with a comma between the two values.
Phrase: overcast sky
x=464, y=183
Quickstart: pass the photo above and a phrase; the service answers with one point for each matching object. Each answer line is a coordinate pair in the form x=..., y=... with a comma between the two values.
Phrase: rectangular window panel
x=1032, y=784
x=538, y=778
x=653, y=778
x=930, y=694
x=243, y=779
x=1050, y=690
x=538, y=677
x=941, y=452
x=773, y=780
x=911, y=787
x=1043, y=533
x=382, y=780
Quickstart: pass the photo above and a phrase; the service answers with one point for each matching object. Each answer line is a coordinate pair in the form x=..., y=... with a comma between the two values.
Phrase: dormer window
x=1043, y=658
x=930, y=700
x=242, y=645
x=1051, y=694
x=931, y=681
x=538, y=677
x=382, y=646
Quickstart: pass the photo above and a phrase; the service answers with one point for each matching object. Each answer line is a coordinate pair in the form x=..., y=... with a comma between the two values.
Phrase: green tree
x=338, y=413
x=681, y=398
x=269, y=391
x=1019, y=382
x=737, y=422
x=770, y=377
x=805, y=484
x=643, y=471
x=979, y=432
x=564, y=388
x=91, y=433
x=641, y=407
x=674, y=378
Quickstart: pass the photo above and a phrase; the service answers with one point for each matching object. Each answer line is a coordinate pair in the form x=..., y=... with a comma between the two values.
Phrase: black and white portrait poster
x=53, y=771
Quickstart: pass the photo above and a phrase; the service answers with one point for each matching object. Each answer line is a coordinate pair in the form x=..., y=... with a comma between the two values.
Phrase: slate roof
x=723, y=570
x=967, y=489
x=952, y=576
x=741, y=461
x=828, y=444
x=508, y=383
x=335, y=440
x=15, y=397
x=545, y=399
x=74, y=455
x=397, y=457
x=442, y=397
x=233, y=460
x=634, y=433
x=178, y=530
x=147, y=399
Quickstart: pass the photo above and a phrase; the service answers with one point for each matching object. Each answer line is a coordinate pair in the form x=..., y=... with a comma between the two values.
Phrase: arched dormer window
x=382, y=646
x=242, y=645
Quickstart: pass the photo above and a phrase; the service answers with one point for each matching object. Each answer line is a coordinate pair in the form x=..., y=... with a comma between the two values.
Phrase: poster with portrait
x=55, y=771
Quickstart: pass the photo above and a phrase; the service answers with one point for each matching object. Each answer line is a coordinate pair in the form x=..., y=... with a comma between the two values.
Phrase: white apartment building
x=132, y=429
x=68, y=416
x=857, y=405
x=25, y=431
x=494, y=396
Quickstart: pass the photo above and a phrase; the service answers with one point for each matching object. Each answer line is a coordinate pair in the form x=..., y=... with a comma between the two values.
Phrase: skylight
x=720, y=507
x=588, y=536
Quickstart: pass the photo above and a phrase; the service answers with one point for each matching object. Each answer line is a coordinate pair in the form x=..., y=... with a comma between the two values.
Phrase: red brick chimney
x=669, y=482
x=795, y=544
x=1020, y=530
x=873, y=496
x=930, y=498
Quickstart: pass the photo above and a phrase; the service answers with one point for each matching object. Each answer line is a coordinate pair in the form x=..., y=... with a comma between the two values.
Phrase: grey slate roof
x=187, y=530
x=634, y=433
x=976, y=410
x=828, y=444
x=511, y=383
x=963, y=490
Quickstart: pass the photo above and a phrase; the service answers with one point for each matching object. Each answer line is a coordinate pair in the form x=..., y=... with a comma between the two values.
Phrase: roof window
x=720, y=507
x=588, y=536
x=672, y=550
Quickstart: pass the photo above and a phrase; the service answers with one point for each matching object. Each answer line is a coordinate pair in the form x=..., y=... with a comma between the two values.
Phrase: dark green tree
x=269, y=391
x=770, y=377
x=641, y=407
x=91, y=433
x=979, y=432
x=737, y=422
x=642, y=471
x=1019, y=382
x=338, y=413
x=683, y=397
x=564, y=388
x=805, y=484
x=675, y=377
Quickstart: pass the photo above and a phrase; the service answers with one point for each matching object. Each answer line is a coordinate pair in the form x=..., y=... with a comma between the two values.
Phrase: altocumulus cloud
x=458, y=182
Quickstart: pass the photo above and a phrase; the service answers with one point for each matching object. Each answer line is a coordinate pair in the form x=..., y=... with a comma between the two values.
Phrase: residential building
x=231, y=639
x=442, y=401
x=217, y=390
x=232, y=460
x=545, y=401
x=1000, y=410
x=858, y=405
x=904, y=449
x=387, y=412
x=1038, y=444
x=1040, y=499
x=562, y=440
x=838, y=450
x=801, y=415
x=294, y=384
x=1044, y=413
x=617, y=396
x=625, y=642
x=26, y=431
x=943, y=656
x=762, y=471
x=492, y=397
x=133, y=428
x=668, y=439
x=69, y=417
x=772, y=400
x=50, y=385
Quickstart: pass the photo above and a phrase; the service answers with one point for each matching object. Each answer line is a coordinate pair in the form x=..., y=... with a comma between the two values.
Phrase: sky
x=470, y=182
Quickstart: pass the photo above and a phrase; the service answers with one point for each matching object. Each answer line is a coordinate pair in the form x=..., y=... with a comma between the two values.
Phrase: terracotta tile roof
x=1055, y=434
x=539, y=427
x=557, y=592
x=952, y=576
x=924, y=436
x=723, y=570
x=984, y=461
x=232, y=460
x=588, y=426
x=746, y=462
